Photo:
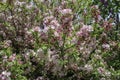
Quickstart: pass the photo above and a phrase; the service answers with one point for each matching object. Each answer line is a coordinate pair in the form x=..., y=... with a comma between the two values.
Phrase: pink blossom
x=37, y=29
x=97, y=56
x=88, y=67
x=66, y=11
x=54, y=24
x=85, y=30
x=56, y=34
x=12, y=57
x=74, y=40
x=106, y=46
x=18, y=3
x=6, y=73
x=99, y=18
x=48, y=19
x=5, y=58
x=101, y=70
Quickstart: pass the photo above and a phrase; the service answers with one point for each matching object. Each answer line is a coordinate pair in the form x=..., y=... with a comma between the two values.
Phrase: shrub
x=57, y=39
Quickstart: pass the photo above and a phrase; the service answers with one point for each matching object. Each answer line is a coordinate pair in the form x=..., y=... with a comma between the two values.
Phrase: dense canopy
x=59, y=39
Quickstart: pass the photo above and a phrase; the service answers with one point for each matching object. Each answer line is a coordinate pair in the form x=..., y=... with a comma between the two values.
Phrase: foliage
x=58, y=40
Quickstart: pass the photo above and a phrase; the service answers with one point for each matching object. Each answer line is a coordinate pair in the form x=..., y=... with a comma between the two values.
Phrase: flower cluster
x=85, y=31
x=5, y=75
x=57, y=39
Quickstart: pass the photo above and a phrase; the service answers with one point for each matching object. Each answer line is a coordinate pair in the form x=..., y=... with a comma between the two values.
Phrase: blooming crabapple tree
x=56, y=39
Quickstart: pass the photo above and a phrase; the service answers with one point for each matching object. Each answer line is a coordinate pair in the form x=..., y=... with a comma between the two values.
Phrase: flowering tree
x=57, y=39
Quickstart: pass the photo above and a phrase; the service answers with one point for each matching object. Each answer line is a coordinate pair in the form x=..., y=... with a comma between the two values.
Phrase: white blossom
x=5, y=73
x=106, y=46
x=19, y=3
x=40, y=53
x=101, y=70
x=66, y=11
x=56, y=34
x=88, y=67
